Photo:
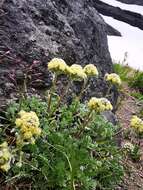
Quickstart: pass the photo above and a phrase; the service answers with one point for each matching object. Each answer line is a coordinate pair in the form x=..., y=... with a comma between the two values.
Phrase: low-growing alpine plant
x=52, y=145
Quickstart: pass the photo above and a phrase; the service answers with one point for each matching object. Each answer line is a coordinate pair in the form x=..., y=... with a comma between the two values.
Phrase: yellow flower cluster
x=75, y=71
x=29, y=126
x=113, y=78
x=58, y=65
x=5, y=157
x=137, y=124
x=99, y=104
x=90, y=70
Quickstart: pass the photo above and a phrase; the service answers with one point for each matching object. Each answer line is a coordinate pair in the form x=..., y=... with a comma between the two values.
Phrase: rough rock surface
x=42, y=29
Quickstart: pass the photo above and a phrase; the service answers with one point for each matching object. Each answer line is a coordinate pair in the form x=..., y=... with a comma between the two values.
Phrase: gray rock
x=39, y=29
x=110, y=117
x=43, y=29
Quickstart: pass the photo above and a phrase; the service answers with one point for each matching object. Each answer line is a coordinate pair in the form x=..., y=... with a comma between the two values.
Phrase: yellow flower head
x=99, y=104
x=27, y=119
x=5, y=157
x=77, y=72
x=137, y=123
x=58, y=65
x=4, y=145
x=113, y=78
x=29, y=126
x=27, y=135
x=5, y=167
x=90, y=70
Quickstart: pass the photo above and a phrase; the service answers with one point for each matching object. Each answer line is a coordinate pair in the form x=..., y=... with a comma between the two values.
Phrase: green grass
x=137, y=81
x=134, y=78
x=123, y=71
x=137, y=95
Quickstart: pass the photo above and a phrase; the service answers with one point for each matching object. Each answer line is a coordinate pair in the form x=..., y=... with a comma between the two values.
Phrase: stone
x=42, y=29
x=110, y=117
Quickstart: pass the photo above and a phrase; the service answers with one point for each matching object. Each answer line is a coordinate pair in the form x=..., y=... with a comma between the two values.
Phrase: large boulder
x=42, y=29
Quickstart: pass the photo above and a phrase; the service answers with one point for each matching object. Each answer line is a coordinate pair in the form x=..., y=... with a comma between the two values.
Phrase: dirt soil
x=129, y=106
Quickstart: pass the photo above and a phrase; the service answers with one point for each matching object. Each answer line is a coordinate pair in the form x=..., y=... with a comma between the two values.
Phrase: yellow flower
x=24, y=128
x=5, y=157
x=57, y=65
x=99, y=104
x=137, y=123
x=2, y=161
x=6, y=154
x=90, y=70
x=19, y=140
x=29, y=126
x=5, y=167
x=77, y=73
x=37, y=131
x=4, y=145
x=22, y=112
x=113, y=78
x=27, y=119
x=32, y=141
x=141, y=129
x=18, y=122
x=27, y=135
x=75, y=67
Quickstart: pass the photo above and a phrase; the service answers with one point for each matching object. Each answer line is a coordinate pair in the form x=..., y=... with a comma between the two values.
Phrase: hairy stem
x=82, y=89
x=85, y=123
x=51, y=92
x=62, y=96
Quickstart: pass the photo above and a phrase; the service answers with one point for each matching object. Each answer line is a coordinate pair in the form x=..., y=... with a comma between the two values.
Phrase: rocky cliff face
x=42, y=29
x=39, y=29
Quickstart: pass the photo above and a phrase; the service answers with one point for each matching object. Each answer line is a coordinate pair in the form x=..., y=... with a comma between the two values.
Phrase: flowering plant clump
x=113, y=78
x=90, y=70
x=99, y=104
x=137, y=124
x=29, y=126
x=61, y=145
x=5, y=157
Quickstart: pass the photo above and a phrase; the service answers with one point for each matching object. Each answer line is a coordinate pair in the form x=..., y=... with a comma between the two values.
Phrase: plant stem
x=25, y=86
x=82, y=89
x=85, y=122
x=52, y=89
x=108, y=91
x=62, y=96
x=120, y=131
